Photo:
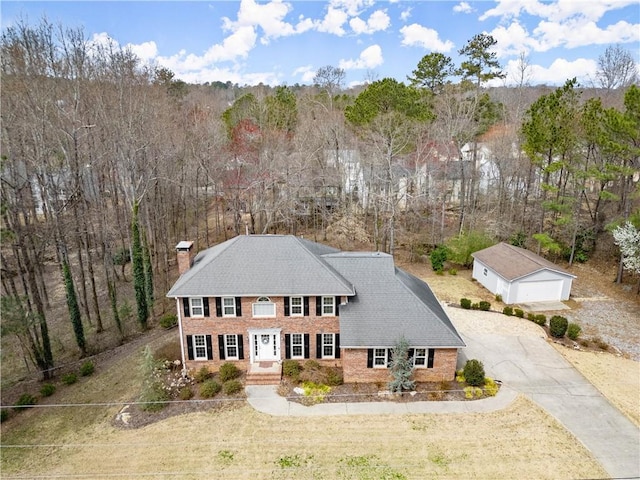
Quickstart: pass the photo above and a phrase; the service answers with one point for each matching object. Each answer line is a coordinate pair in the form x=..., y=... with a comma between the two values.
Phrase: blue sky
x=285, y=42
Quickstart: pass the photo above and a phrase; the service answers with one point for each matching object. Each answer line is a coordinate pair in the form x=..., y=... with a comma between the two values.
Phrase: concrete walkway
x=526, y=364
x=264, y=398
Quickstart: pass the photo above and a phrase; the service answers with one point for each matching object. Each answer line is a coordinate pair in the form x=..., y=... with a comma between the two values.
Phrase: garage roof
x=512, y=262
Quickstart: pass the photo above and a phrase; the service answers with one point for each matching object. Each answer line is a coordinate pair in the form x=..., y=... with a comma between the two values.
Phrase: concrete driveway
x=525, y=362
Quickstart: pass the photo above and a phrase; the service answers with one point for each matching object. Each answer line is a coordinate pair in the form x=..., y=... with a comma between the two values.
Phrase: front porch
x=264, y=373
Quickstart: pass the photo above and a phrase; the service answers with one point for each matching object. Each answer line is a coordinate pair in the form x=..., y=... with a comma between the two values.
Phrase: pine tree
x=401, y=366
x=138, y=271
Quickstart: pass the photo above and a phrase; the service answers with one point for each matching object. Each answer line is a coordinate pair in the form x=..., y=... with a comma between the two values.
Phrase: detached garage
x=520, y=276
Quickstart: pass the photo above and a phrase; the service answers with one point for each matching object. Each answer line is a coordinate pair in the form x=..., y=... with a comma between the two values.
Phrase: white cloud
x=235, y=46
x=557, y=73
x=405, y=14
x=512, y=40
x=556, y=11
x=333, y=22
x=463, y=7
x=306, y=72
x=147, y=51
x=351, y=7
x=578, y=33
x=417, y=35
x=370, y=57
x=379, y=20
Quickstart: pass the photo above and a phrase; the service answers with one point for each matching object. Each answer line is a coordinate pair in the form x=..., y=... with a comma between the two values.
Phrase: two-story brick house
x=259, y=299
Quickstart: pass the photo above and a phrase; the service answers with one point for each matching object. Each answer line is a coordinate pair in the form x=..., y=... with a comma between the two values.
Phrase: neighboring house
x=520, y=276
x=256, y=300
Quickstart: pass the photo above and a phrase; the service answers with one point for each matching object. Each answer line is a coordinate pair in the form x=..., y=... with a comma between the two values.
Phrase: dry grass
x=242, y=443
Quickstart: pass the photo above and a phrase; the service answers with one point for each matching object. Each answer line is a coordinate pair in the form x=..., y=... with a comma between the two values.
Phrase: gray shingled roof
x=253, y=265
x=512, y=262
x=389, y=304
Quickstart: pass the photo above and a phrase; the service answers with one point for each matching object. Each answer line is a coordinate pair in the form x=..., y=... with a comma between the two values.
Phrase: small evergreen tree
x=438, y=256
x=138, y=271
x=74, y=309
x=401, y=366
x=148, y=272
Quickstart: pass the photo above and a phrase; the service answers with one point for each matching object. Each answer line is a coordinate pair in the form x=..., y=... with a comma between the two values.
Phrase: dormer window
x=264, y=307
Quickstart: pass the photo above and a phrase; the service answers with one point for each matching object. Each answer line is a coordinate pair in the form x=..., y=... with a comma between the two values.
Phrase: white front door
x=265, y=345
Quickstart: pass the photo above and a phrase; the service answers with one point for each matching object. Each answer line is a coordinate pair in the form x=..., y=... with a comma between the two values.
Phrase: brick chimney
x=183, y=250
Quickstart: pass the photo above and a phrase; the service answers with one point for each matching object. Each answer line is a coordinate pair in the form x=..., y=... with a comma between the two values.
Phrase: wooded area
x=107, y=161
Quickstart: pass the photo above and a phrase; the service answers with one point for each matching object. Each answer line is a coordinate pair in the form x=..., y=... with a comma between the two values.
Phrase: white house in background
x=520, y=276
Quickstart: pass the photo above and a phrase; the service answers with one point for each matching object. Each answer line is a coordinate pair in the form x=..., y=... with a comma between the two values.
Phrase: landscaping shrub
x=518, y=312
x=209, y=389
x=573, y=331
x=202, y=375
x=438, y=256
x=69, y=378
x=453, y=271
x=228, y=371
x=558, y=326
x=540, y=319
x=186, y=393
x=484, y=306
x=333, y=377
x=460, y=376
x=47, y=390
x=465, y=303
x=87, y=368
x=531, y=316
x=490, y=387
x=26, y=400
x=498, y=297
x=231, y=387
x=474, y=372
x=311, y=365
x=169, y=320
x=508, y=311
x=291, y=368
x=4, y=415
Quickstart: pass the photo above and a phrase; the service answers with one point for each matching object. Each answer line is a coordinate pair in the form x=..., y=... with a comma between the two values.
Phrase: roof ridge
x=321, y=261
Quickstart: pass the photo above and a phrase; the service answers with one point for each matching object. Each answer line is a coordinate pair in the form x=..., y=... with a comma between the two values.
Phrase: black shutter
x=337, y=345
x=205, y=302
x=306, y=345
x=370, y=358
x=240, y=347
x=238, y=307
x=430, y=356
x=221, y=346
x=318, y=306
x=287, y=345
x=318, y=345
x=411, y=353
x=337, y=306
x=190, y=347
x=185, y=305
x=218, y=307
x=389, y=356
x=286, y=306
x=306, y=306
x=209, y=347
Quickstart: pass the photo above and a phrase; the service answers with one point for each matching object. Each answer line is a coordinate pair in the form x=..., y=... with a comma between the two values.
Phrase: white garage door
x=539, y=291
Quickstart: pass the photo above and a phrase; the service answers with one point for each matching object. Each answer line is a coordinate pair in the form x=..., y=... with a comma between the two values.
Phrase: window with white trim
x=420, y=357
x=296, y=306
x=264, y=307
x=328, y=345
x=196, y=307
x=228, y=306
x=328, y=306
x=380, y=357
x=231, y=347
x=297, y=345
x=199, y=347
